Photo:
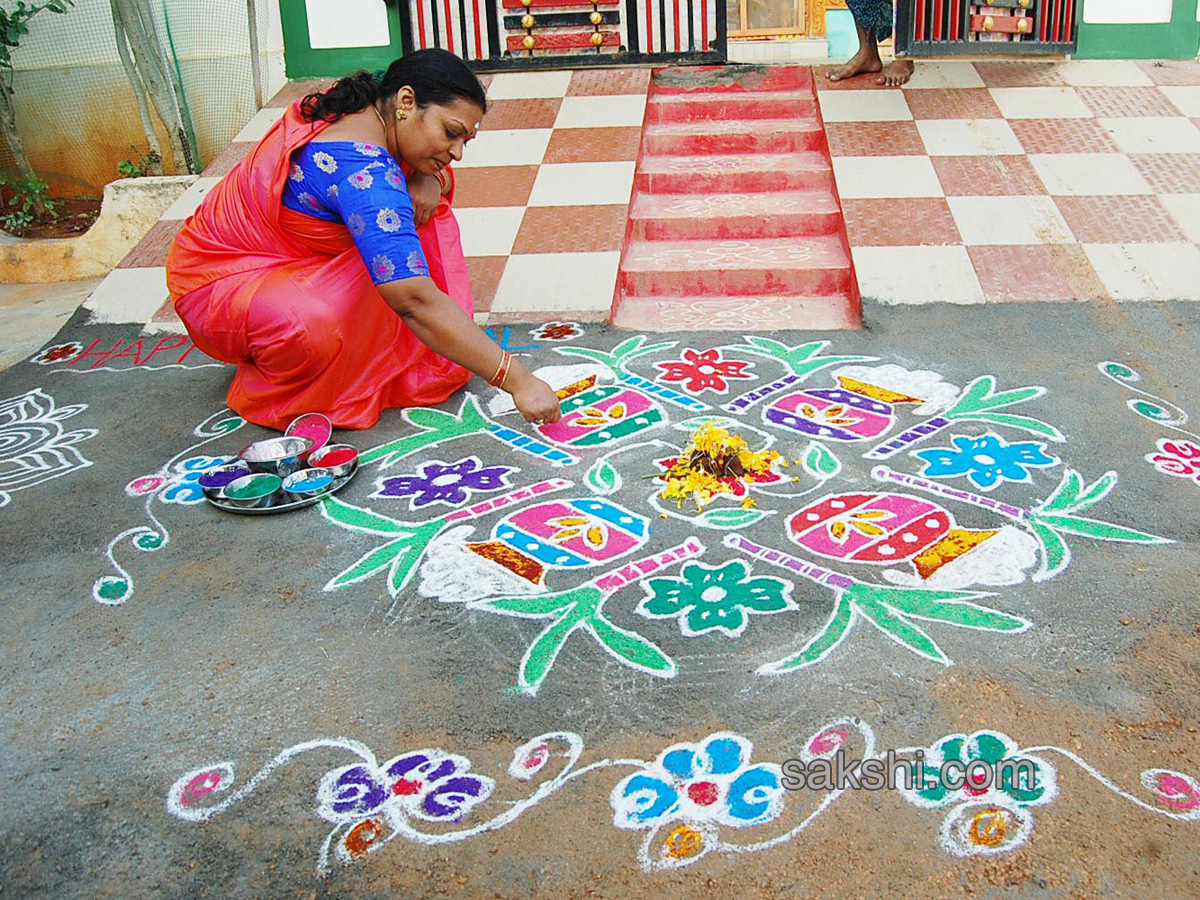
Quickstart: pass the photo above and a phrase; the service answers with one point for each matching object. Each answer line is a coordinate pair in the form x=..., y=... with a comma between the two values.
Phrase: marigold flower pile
x=711, y=464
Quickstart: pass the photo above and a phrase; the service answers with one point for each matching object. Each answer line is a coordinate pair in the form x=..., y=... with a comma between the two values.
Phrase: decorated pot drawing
x=602, y=416
x=883, y=529
x=564, y=534
x=855, y=411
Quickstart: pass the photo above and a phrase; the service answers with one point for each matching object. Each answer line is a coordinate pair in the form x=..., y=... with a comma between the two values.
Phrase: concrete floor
x=158, y=653
x=31, y=314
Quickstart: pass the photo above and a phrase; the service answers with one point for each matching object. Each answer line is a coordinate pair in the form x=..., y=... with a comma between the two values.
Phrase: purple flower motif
x=356, y=224
x=448, y=484
x=382, y=267
x=394, y=176
x=426, y=784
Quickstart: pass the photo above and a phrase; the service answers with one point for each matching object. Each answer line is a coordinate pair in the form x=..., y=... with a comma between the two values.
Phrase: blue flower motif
x=448, y=484
x=707, y=782
x=987, y=461
x=183, y=487
x=388, y=220
x=325, y=162
x=356, y=224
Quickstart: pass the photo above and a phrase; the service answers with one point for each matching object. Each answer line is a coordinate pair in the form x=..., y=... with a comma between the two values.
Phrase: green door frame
x=302, y=61
x=1177, y=39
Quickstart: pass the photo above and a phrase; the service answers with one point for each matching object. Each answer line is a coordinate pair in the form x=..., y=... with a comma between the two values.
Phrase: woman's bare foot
x=896, y=73
x=863, y=62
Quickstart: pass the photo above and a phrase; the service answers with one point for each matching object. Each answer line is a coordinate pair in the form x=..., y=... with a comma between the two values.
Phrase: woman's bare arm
x=444, y=328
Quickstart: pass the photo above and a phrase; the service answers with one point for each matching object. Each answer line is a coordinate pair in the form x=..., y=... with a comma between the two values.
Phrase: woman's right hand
x=536, y=401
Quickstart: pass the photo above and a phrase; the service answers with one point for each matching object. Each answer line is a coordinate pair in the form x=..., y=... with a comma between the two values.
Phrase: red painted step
x=735, y=221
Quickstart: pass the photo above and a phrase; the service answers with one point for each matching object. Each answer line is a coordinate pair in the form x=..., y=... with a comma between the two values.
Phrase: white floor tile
x=1088, y=173
x=489, y=231
x=944, y=75
x=1185, y=209
x=917, y=275
x=1040, y=103
x=1103, y=73
x=1154, y=134
x=1148, y=271
x=1186, y=99
x=189, y=199
x=523, y=85
x=601, y=112
x=583, y=184
x=513, y=147
x=566, y=282
x=969, y=137
x=260, y=124
x=864, y=106
x=1009, y=220
x=129, y=296
x=863, y=177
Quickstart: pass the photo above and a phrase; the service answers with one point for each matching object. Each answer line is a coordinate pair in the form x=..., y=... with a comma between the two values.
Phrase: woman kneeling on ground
x=328, y=265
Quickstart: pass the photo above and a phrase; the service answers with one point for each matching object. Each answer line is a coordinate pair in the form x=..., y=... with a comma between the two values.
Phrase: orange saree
x=287, y=298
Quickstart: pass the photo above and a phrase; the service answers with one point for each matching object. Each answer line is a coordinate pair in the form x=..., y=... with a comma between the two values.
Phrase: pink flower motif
x=1178, y=458
x=828, y=741
x=704, y=371
x=147, y=484
x=382, y=267
x=1177, y=792
x=58, y=353
x=297, y=173
x=200, y=786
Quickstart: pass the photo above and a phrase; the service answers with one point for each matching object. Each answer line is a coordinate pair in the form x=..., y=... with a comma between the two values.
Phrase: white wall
x=347, y=23
x=1105, y=12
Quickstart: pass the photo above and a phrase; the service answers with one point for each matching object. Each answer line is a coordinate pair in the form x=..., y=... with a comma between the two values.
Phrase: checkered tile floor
x=985, y=181
x=993, y=181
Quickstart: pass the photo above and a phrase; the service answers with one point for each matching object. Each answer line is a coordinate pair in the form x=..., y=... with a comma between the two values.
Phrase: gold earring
x=401, y=115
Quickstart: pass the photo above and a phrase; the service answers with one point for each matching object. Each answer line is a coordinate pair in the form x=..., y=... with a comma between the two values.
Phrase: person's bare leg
x=866, y=60
x=896, y=73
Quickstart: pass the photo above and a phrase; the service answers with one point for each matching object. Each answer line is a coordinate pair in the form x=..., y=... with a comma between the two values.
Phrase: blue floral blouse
x=362, y=186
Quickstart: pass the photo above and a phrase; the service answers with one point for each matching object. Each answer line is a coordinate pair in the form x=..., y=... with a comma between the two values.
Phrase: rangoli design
x=34, y=446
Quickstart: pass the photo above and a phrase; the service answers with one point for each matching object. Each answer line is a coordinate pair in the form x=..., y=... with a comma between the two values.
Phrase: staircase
x=735, y=221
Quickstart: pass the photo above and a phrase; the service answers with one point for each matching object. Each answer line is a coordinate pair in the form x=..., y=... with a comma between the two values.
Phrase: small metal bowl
x=214, y=481
x=277, y=456
x=340, y=459
x=308, y=483
x=255, y=491
x=314, y=426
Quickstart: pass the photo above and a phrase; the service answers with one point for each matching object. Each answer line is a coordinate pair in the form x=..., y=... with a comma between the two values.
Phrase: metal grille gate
x=1000, y=27
x=503, y=34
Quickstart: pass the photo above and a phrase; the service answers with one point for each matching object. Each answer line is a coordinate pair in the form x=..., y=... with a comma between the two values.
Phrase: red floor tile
x=595, y=82
x=1169, y=173
x=1063, y=136
x=918, y=221
x=485, y=272
x=1114, y=102
x=1019, y=74
x=493, y=185
x=987, y=176
x=152, y=249
x=1047, y=272
x=166, y=315
x=1172, y=72
x=956, y=103
x=532, y=113
x=874, y=139
x=227, y=159
x=573, y=145
x=572, y=229
x=1119, y=220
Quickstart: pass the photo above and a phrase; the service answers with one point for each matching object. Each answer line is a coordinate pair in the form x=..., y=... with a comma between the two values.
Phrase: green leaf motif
x=730, y=518
x=370, y=563
x=602, y=479
x=820, y=463
x=821, y=645
x=1105, y=531
x=361, y=519
x=1055, y=552
x=1067, y=493
x=903, y=631
x=539, y=658
x=630, y=647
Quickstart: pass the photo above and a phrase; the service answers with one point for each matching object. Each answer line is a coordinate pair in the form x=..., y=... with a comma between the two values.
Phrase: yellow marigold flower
x=748, y=503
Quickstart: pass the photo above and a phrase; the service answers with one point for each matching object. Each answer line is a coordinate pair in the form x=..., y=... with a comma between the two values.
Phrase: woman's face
x=432, y=137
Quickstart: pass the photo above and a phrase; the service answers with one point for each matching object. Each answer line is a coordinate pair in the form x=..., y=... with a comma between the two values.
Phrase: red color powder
x=337, y=457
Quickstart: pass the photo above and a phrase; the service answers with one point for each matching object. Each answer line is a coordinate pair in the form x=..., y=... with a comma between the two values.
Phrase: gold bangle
x=497, y=380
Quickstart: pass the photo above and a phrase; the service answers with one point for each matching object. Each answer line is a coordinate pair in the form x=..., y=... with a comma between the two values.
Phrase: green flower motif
x=712, y=598
x=1030, y=784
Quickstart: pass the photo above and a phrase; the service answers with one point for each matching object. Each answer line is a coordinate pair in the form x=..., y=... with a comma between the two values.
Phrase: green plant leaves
x=631, y=648
x=436, y=425
x=821, y=645
x=361, y=519
x=1105, y=531
x=903, y=631
x=803, y=359
x=1055, y=552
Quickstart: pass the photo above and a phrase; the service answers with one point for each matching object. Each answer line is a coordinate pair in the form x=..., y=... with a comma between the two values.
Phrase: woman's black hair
x=436, y=76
